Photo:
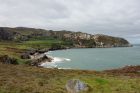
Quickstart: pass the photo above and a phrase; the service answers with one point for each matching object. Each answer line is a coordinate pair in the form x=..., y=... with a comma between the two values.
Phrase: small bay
x=97, y=58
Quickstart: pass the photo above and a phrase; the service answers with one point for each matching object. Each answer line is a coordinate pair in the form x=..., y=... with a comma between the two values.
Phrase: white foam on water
x=54, y=62
x=67, y=59
x=64, y=68
x=57, y=59
x=60, y=60
x=48, y=65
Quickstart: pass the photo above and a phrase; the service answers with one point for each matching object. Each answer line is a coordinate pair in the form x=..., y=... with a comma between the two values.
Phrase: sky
x=111, y=17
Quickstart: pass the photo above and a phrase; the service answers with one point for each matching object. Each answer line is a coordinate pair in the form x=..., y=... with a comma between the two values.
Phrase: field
x=26, y=79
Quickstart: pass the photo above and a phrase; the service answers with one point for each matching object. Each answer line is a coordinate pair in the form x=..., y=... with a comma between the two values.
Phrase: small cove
x=95, y=58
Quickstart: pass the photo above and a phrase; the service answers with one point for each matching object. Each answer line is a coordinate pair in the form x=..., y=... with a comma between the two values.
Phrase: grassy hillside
x=25, y=79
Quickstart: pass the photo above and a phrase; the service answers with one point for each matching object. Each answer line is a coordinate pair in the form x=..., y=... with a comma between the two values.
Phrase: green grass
x=24, y=79
x=27, y=45
x=41, y=43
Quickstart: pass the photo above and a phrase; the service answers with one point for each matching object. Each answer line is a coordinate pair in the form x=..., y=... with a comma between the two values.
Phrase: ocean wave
x=60, y=60
x=67, y=59
x=48, y=65
x=64, y=68
x=54, y=62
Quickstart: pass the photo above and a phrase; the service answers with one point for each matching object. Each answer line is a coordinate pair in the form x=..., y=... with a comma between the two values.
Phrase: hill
x=71, y=39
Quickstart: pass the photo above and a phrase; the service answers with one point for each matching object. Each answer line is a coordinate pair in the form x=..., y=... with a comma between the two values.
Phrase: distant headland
x=69, y=39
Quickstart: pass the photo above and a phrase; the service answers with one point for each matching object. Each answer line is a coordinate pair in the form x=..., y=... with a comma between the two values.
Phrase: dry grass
x=25, y=79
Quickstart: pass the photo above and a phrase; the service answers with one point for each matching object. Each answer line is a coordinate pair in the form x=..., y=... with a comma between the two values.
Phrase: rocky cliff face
x=109, y=41
x=78, y=39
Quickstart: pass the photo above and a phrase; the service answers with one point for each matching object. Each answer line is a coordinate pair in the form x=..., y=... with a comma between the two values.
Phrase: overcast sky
x=110, y=17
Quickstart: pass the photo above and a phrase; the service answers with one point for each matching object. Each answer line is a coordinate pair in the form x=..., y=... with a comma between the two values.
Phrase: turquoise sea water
x=97, y=58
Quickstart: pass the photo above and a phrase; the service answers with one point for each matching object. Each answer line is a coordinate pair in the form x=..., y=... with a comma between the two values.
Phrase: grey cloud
x=133, y=38
x=112, y=17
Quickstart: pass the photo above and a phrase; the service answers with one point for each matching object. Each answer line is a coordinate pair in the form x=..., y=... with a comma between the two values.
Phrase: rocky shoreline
x=38, y=56
x=131, y=71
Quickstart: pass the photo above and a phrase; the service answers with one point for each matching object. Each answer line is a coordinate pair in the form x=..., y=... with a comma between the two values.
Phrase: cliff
x=109, y=41
x=75, y=39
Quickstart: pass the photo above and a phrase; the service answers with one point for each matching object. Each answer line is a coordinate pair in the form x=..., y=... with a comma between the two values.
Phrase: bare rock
x=38, y=61
x=77, y=86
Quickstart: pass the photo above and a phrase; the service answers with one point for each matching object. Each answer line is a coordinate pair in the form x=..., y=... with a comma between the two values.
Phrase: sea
x=94, y=58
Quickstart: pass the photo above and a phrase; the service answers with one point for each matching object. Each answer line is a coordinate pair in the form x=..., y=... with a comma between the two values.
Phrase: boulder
x=77, y=86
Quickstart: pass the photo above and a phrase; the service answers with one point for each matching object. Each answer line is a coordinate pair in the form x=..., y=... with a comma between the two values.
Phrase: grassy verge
x=24, y=79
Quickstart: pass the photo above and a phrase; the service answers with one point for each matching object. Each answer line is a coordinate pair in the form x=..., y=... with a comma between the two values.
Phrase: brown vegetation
x=28, y=79
x=132, y=71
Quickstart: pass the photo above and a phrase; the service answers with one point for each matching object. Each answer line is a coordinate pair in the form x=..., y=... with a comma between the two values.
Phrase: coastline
x=54, y=60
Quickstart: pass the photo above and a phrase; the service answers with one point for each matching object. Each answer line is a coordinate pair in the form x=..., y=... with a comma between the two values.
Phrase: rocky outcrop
x=77, y=86
x=36, y=56
x=32, y=52
x=5, y=59
x=27, y=54
x=39, y=60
